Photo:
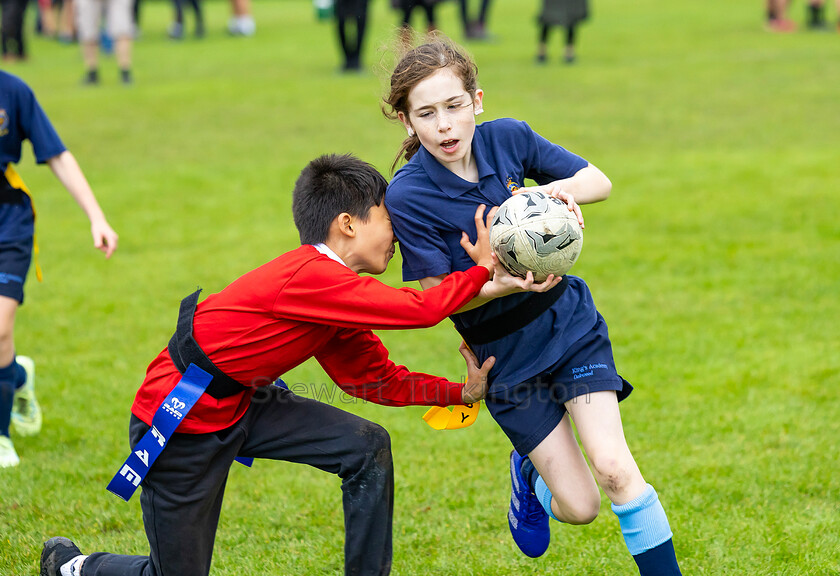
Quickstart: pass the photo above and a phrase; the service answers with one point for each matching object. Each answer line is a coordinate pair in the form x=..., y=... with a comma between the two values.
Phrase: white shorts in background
x=89, y=15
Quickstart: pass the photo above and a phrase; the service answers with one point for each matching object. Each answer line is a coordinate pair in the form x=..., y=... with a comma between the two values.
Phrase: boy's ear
x=344, y=224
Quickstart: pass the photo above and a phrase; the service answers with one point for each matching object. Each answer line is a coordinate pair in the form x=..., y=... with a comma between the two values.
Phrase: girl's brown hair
x=414, y=67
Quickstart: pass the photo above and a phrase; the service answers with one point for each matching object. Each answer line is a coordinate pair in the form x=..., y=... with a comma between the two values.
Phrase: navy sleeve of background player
x=37, y=128
x=423, y=251
x=547, y=161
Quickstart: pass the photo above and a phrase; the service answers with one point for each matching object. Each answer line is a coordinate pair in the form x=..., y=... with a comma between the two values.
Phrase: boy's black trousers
x=182, y=493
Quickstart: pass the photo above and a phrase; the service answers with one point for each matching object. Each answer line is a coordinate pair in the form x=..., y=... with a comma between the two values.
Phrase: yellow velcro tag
x=16, y=181
x=441, y=418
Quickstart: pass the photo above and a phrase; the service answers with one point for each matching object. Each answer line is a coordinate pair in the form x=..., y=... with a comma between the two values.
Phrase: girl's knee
x=614, y=475
x=583, y=509
x=582, y=516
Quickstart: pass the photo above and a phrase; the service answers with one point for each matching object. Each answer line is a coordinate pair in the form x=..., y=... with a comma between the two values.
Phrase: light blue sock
x=643, y=522
x=544, y=496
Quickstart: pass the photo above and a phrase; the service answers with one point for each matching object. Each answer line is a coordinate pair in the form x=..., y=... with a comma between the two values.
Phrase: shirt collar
x=327, y=251
x=452, y=184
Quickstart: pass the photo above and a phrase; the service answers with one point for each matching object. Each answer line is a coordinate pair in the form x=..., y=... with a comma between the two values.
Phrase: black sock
x=529, y=473
x=658, y=561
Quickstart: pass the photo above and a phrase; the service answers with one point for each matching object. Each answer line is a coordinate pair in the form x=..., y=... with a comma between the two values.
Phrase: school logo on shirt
x=4, y=122
x=512, y=186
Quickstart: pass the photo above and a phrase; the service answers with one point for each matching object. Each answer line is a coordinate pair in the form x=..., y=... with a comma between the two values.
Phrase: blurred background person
x=777, y=19
x=46, y=25
x=475, y=29
x=176, y=30
x=408, y=7
x=241, y=22
x=135, y=19
x=66, y=21
x=119, y=27
x=563, y=13
x=816, y=18
x=11, y=30
x=351, y=19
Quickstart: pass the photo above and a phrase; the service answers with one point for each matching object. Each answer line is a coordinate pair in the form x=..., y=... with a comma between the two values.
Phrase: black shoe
x=57, y=552
x=125, y=77
x=541, y=58
x=353, y=65
x=91, y=78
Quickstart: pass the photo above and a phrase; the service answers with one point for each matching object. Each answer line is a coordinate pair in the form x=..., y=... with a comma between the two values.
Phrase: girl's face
x=442, y=114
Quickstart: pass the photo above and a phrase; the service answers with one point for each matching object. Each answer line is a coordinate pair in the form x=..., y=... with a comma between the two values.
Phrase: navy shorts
x=529, y=411
x=15, y=258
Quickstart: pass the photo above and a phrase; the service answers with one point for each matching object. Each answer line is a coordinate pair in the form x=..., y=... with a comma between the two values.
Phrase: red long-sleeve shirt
x=304, y=304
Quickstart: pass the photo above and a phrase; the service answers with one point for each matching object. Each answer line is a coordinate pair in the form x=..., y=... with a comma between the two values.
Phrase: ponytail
x=409, y=148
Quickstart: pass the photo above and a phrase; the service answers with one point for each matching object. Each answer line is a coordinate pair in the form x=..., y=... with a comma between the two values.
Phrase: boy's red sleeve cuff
x=453, y=395
x=479, y=275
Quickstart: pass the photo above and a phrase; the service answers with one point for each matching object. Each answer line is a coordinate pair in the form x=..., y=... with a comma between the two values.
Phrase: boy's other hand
x=481, y=252
x=104, y=237
x=503, y=283
x=475, y=388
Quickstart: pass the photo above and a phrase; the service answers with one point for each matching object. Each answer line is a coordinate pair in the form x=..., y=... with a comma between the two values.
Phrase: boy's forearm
x=477, y=301
x=358, y=362
x=411, y=389
x=434, y=281
x=68, y=172
x=364, y=302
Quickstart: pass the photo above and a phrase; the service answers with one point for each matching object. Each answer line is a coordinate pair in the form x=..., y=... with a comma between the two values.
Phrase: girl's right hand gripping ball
x=533, y=231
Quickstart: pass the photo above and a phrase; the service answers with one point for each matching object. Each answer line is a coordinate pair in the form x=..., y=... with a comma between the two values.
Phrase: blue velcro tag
x=167, y=418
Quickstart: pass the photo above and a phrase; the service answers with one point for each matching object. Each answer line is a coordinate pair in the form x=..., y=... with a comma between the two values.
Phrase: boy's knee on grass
x=371, y=447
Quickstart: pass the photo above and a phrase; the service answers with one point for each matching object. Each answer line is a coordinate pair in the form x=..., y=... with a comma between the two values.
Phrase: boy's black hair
x=332, y=184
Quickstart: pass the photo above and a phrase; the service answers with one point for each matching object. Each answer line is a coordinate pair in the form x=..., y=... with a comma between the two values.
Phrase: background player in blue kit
x=553, y=353
x=21, y=118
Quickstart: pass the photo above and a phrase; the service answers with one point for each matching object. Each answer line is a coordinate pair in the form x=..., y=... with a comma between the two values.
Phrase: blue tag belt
x=166, y=420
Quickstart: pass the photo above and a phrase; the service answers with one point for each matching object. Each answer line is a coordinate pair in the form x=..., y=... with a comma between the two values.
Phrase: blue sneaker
x=527, y=518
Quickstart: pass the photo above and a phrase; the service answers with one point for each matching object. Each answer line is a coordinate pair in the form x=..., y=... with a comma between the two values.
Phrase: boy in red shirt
x=308, y=302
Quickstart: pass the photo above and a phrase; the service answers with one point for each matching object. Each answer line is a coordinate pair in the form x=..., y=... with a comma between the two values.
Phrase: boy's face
x=442, y=113
x=374, y=246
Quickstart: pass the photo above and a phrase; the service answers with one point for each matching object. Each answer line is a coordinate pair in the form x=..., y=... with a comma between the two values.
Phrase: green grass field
x=716, y=263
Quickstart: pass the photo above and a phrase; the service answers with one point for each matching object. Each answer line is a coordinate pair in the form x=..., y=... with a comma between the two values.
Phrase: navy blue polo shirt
x=430, y=206
x=21, y=118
